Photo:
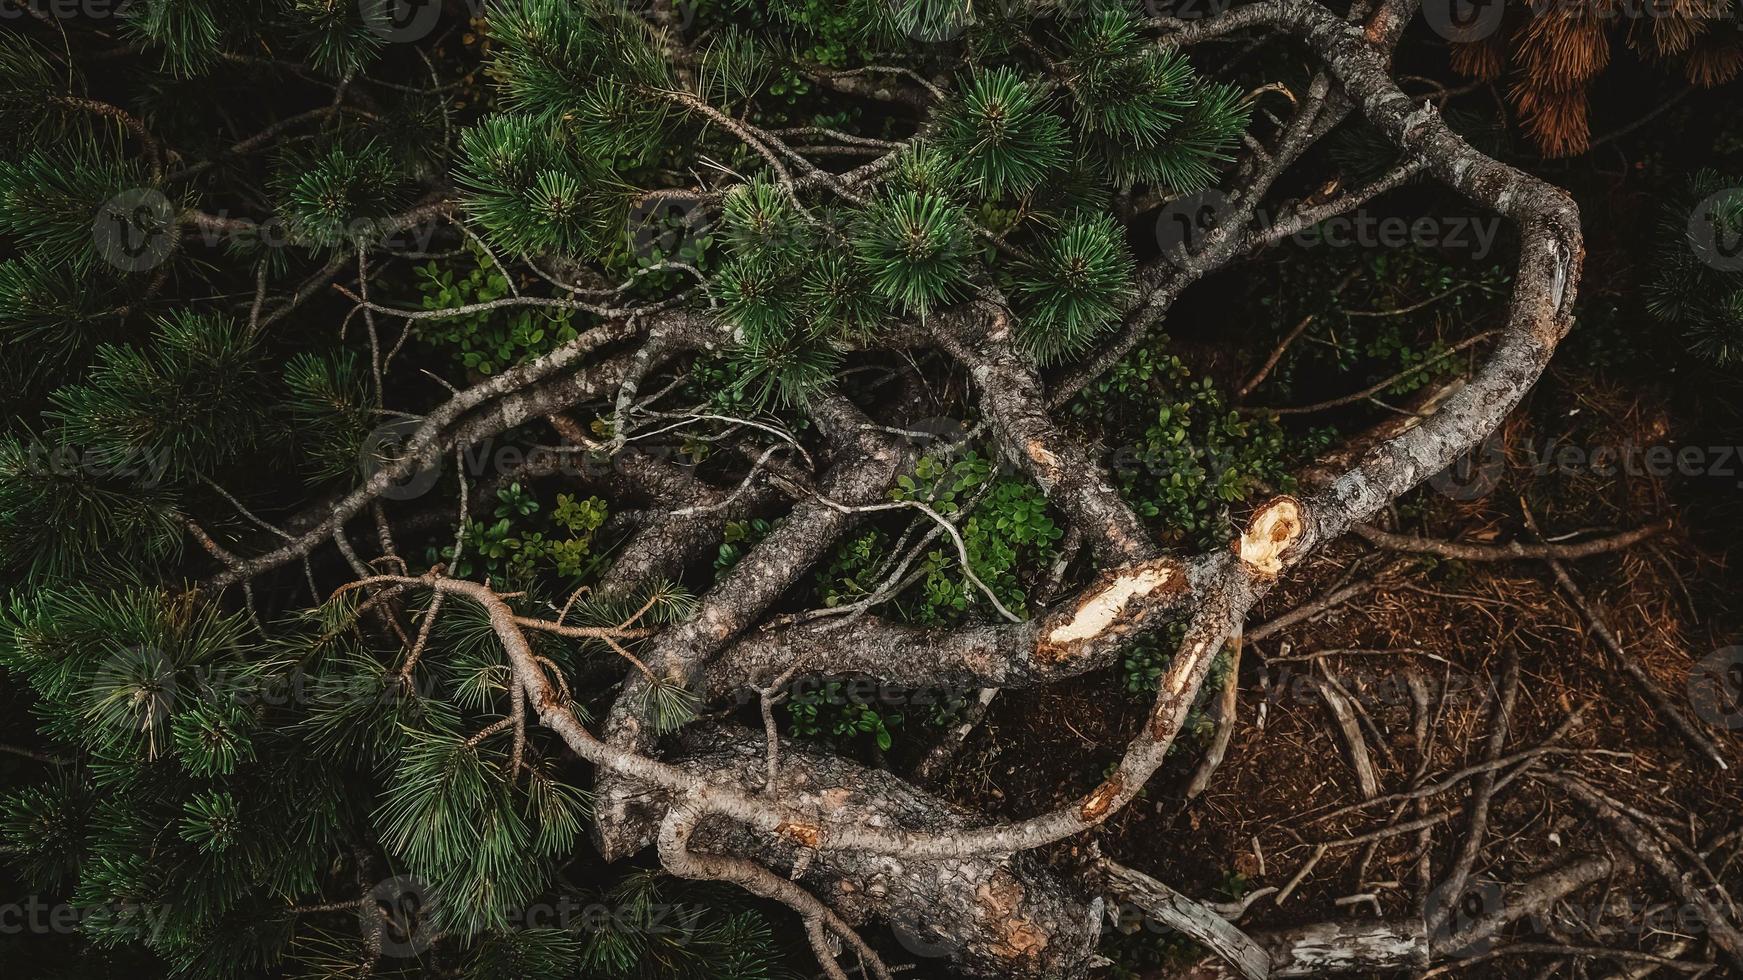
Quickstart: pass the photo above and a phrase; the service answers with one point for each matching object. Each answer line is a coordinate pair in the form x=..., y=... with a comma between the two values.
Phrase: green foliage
x=838, y=298
x=341, y=38
x=331, y=411
x=245, y=763
x=913, y=246
x=1003, y=132
x=62, y=512
x=26, y=68
x=1188, y=456
x=551, y=54
x=452, y=815
x=187, y=403
x=44, y=828
x=1696, y=283
x=1377, y=314
x=785, y=370
x=737, y=540
x=734, y=68
x=189, y=34
x=340, y=195
x=659, y=928
x=829, y=33
x=1143, y=111
x=831, y=712
x=763, y=226
x=491, y=340
x=756, y=296
x=931, y=21
x=518, y=545
x=534, y=191
x=669, y=704
x=56, y=310
x=1143, y=663
x=52, y=199
x=1076, y=288
x=1008, y=530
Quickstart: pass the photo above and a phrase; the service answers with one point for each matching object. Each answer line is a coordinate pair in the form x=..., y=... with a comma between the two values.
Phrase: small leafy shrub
x=490, y=341
x=518, y=544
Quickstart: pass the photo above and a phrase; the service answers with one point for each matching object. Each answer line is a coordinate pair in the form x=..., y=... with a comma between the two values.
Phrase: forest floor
x=1287, y=784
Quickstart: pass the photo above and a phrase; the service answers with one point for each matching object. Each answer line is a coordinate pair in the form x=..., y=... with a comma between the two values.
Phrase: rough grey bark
x=864, y=463
x=996, y=915
x=1065, y=467
x=844, y=825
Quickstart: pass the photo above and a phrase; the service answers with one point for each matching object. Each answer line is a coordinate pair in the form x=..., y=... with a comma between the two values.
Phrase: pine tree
x=405, y=405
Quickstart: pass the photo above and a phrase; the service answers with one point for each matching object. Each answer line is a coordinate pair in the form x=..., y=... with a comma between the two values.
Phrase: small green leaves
x=1077, y=286
x=1003, y=132
x=914, y=248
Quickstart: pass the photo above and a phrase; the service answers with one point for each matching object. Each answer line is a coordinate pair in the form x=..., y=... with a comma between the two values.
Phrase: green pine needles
x=914, y=248
x=1078, y=284
x=803, y=273
x=1003, y=133
x=1698, y=271
x=341, y=195
x=251, y=249
x=531, y=191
